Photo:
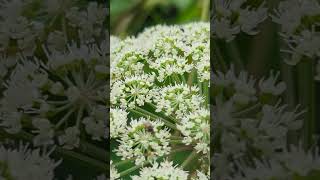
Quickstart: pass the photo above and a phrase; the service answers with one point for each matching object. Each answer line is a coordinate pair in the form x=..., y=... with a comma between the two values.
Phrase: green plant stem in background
x=217, y=57
x=205, y=10
x=290, y=97
x=189, y=159
x=234, y=52
x=306, y=97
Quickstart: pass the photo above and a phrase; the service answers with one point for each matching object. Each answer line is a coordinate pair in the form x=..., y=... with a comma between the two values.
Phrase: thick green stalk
x=306, y=97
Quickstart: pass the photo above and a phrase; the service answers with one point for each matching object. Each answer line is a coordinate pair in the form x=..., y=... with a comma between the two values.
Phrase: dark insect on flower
x=148, y=126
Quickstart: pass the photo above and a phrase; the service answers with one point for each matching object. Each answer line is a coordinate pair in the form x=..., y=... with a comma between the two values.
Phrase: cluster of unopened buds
x=159, y=103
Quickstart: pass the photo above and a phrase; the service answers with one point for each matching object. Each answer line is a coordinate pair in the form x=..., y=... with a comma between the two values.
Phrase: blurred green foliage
x=128, y=17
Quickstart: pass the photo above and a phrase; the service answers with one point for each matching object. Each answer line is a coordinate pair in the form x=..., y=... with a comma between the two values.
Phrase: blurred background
x=128, y=17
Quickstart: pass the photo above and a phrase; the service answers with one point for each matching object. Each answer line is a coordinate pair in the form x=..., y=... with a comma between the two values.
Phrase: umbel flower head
x=159, y=100
x=164, y=170
x=26, y=163
x=144, y=140
x=299, y=22
x=231, y=17
x=53, y=77
x=55, y=90
x=250, y=136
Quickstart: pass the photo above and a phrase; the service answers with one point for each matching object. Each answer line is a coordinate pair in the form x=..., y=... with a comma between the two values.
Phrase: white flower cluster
x=164, y=170
x=250, y=135
x=144, y=140
x=53, y=74
x=26, y=163
x=67, y=79
x=159, y=98
x=113, y=172
x=118, y=122
x=233, y=16
x=299, y=21
x=296, y=163
x=241, y=88
x=195, y=127
x=178, y=100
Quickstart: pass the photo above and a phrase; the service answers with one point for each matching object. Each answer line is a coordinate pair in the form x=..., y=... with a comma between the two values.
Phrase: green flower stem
x=200, y=87
x=248, y=110
x=235, y=54
x=190, y=78
x=123, y=162
x=64, y=118
x=219, y=62
x=130, y=170
x=205, y=91
x=168, y=116
x=179, y=149
x=91, y=149
x=64, y=27
x=145, y=113
x=306, y=93
x=176, y=137
x=98, y=164
x=287, y=73
x=184, y=79
x=189, y=159
x=205, y=10
x=175, y=141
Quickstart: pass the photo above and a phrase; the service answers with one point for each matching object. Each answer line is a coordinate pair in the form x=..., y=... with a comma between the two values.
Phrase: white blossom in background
x=260, y=126
x=67, y=82
x=294, y=162
x=270, y=86
x=18, y=27
x=113, y=172
x=202, y=176
x=234, y=16
x=299, y=22
x=241, y=85
x=26, y=163
x=53, y=74
x=159, y=99
x=163, y=170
